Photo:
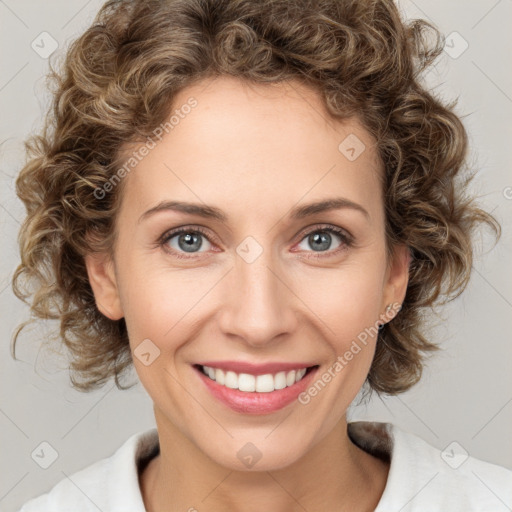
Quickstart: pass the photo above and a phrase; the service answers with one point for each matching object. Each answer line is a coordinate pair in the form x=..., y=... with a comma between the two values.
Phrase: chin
x=253, y=456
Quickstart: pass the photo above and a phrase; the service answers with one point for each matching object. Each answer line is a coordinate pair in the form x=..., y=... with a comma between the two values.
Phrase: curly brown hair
x=117, y=82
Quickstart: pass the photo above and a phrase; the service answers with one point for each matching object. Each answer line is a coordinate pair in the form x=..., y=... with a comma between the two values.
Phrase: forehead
x=266, y=145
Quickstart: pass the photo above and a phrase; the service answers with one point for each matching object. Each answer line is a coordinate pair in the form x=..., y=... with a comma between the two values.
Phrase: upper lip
x=255, y=369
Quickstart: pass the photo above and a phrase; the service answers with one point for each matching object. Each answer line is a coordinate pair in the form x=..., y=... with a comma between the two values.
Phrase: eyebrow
x=211, y=212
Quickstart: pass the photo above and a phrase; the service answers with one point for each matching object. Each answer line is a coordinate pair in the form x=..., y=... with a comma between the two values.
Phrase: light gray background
x=466, y=391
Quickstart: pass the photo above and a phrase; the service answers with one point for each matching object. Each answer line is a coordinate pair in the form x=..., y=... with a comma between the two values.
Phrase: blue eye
x=189, y=240
x=321, y=239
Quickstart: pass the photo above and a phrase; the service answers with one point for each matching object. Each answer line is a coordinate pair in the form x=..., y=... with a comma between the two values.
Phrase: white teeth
x=231, y=380
x=300, y=374
x=219, y=375
x=249, y=383
x=280, y=380
x=246, y=382
x=265, y=383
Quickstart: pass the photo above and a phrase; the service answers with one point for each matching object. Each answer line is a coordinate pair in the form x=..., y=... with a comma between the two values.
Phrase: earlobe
x=102, y=278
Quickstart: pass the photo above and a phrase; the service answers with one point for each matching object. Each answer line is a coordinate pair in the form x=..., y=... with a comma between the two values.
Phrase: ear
x=397, y=276
x=103, y=281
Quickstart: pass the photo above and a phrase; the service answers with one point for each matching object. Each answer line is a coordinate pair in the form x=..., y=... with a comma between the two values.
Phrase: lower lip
x=254, y=402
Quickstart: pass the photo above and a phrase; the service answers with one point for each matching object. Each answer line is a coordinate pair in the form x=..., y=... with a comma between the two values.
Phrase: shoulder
x=81, y=489
x=108, y=484
x=451, y=477
x=422, y=476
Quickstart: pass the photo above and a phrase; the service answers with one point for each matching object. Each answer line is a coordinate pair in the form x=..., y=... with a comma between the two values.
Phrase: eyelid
x=346, y=236
x=188, y=228
x=323, y=226
x=171, y=233
x=347, y=241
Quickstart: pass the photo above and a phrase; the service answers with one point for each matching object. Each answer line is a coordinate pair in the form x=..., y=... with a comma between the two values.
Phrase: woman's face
x=265, y=281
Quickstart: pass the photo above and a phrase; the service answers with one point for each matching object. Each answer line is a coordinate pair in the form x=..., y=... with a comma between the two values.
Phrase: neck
x=334, y=474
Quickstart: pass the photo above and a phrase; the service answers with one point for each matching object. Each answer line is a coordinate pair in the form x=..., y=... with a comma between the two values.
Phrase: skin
x=254, y=151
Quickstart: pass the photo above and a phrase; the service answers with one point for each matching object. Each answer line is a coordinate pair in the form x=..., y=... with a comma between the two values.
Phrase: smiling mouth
x=249, y=383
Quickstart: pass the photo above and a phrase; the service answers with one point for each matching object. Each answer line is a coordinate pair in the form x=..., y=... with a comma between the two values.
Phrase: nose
x=258, y=302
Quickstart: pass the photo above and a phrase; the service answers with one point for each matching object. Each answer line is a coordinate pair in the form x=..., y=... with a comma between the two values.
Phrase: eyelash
x=346, y=239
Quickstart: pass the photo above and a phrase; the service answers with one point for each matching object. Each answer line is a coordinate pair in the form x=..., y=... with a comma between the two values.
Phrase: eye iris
x=191, y=242
x=323, y=238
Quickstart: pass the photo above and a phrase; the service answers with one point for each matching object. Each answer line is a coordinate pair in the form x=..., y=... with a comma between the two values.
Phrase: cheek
x=157, y=315
x=163, y=304
x=346, y=300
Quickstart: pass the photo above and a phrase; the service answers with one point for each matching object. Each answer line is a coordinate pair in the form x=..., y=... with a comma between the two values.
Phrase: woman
x=200, y=151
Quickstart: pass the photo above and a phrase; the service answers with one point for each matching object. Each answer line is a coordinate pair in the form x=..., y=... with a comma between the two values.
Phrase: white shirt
x=421, y=477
